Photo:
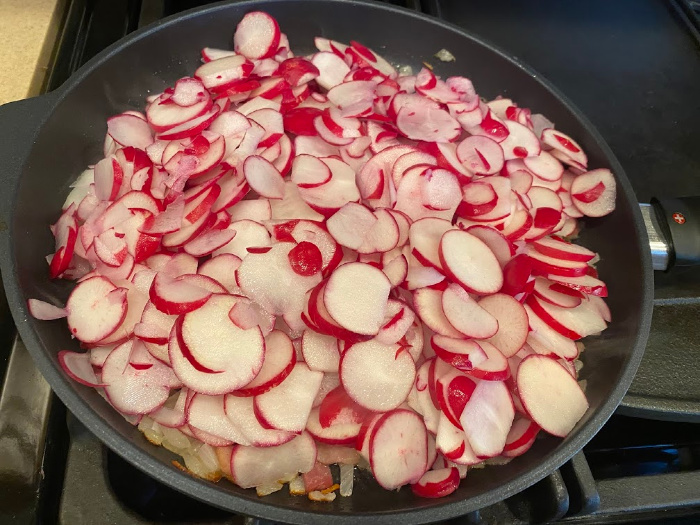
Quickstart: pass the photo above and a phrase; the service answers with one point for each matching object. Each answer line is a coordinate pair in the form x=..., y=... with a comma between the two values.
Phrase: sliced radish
x=396, y=270
x=419, y=276
x=45, y=311
x=109, y=178
x=95, y=308
x=427, y=303
x=520, y=437
x=384, y=234
x=248, y=234
x=544, y=264
x=249, y=253
x=555, y=247
x=257, y=36
x=512, y=322
x=460, y=353
x=271, y=121
x=398, y=449
x=450, y=441
x=309, y=172
x=557, y=294
x=594, y=192
x=129, y=130
x=377, y=376
x=419, y=399
x=278, y=364
x=287, y=405
x=499, y=245
x=470, y=262
x=211, y=354
x=586, y=283
x=353, y=98
x=269, y=279
x=320, y=351
x=300, y=121
x=263, y=177
x=424, y=236
x=304, y=231
x=332, y=69
x=163, y=115
x=545, y=340
x=521, y=142
x=466, y=315
x=478, y=198
x=494, y=367
x=356, y=296
x=601, y=307
x=256, y=210
x=334, y=434
x=339, y=408
x=550, y=395
x=573, y=323
x=399, y=318
x=172, y=413
x=351, y=224
x=178, y=295
x=437, y=483
x=487, y=418
x=241, y=412
x=207, y=413
x=565, y=144
x=340, y=190
x=209, y=242
x=136, y=387
x=246, y=314
x=480, y=155
x=223, y=72
x=78, y=366
x=222, y=268
x=305, y=259
x=453, y=389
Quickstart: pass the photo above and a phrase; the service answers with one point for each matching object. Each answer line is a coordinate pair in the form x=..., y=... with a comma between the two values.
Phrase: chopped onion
x=445, y=56
x=317, y=495
x=296, y=486
x=268, y=488
x=347, y=477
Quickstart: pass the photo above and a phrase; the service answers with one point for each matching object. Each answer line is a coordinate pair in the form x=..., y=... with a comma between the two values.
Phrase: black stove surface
x=632, y=66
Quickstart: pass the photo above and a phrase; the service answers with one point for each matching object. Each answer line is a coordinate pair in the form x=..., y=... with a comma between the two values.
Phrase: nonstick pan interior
x=145, y=63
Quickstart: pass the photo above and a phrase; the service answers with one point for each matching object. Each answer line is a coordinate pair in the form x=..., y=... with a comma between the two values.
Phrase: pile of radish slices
x=293, y=262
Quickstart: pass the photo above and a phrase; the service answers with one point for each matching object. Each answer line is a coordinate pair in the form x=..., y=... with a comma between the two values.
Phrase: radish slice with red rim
x=78, y=366
x=257, y=36
x=378, y=377
x=45, y=311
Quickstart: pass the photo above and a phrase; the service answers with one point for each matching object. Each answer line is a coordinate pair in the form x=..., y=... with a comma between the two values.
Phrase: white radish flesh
x=550, y=394
x=377, y=376
x=356, y=296
x=398, y=449
x=470, y=262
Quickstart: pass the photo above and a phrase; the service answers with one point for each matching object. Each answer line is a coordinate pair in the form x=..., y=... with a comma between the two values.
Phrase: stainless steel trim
x=25, y=401
x=657, y=242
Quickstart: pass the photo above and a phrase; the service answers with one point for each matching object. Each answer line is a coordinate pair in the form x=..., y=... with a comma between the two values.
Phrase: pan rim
x=219, y=496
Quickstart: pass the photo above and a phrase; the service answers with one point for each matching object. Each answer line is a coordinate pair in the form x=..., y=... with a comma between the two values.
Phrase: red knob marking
x=679, y=218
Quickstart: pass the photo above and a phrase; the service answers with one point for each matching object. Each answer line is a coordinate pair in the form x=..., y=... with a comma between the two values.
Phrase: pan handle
x=19, y=123
x=673, y=226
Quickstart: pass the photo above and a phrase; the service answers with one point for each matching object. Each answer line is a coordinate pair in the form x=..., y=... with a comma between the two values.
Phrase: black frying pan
x=45, y=142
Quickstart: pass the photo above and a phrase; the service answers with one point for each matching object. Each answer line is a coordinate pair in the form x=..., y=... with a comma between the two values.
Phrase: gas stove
x=632, y=66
